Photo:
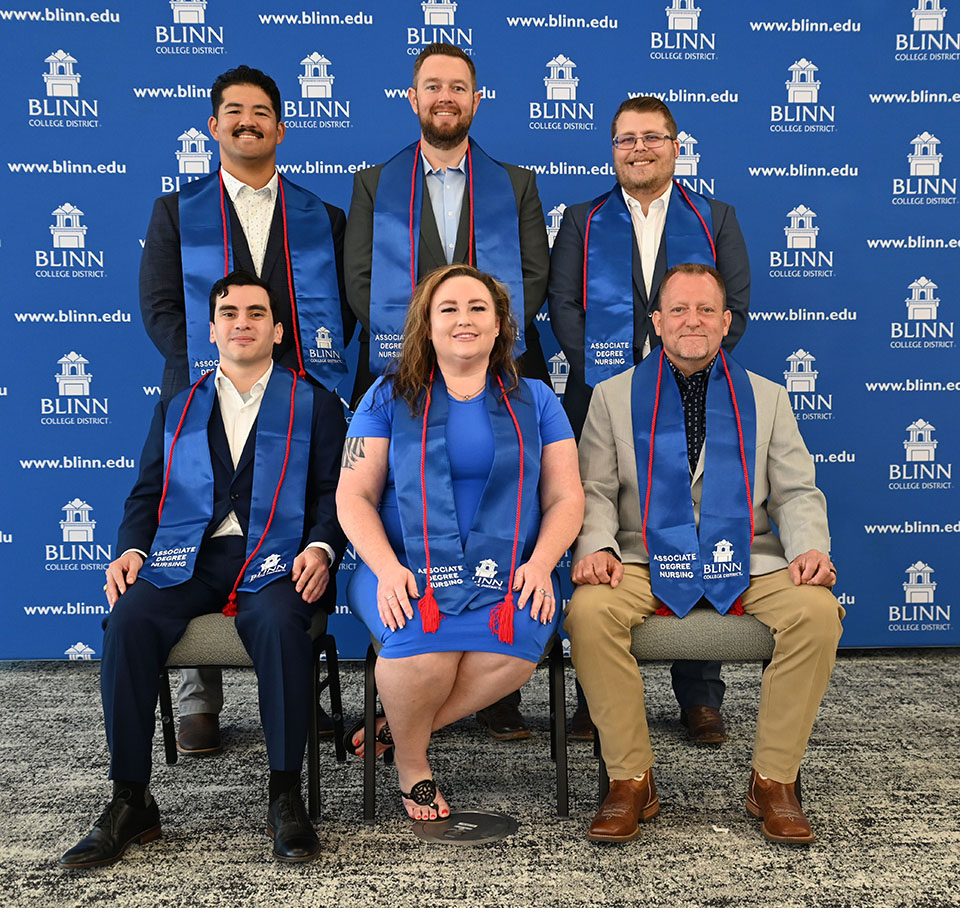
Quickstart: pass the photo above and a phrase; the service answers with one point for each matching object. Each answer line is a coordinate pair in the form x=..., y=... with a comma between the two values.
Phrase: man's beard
x=448, y=138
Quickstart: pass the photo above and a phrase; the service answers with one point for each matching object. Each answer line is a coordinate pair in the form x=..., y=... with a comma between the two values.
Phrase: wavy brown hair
x=411, y=371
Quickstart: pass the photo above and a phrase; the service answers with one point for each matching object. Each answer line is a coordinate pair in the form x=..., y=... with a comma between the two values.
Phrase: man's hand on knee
x=597, y=568
x=122, y=573
x=814, y=569
x=311, y=573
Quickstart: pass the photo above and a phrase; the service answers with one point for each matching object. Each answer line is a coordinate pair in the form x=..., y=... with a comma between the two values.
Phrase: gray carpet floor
x=881, y=782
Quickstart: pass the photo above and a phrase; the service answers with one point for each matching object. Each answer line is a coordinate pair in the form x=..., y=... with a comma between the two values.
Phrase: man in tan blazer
x=787, y=580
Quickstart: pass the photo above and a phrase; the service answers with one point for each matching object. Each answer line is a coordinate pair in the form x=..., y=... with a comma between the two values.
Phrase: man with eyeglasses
x=439, y=201
x=625, y=241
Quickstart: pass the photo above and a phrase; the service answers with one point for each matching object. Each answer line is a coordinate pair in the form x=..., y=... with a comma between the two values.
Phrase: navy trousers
x=146, y=623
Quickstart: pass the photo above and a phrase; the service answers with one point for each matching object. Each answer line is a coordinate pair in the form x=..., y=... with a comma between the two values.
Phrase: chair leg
x=558, y=727
x=369, y=737
x=166, y=718
x=313, y=742
x=336, y=703
x=603, y=778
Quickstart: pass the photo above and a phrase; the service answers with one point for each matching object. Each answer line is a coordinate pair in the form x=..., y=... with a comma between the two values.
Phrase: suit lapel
x=241, y=249
x=217, y=435
x=249, y=448
x=431, y=247
x=274, y=247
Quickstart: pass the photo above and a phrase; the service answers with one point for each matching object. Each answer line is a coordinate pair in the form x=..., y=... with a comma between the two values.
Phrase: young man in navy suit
x=234, y=510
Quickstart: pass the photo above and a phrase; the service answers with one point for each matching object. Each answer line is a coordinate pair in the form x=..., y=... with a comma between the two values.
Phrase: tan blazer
x=784, y=487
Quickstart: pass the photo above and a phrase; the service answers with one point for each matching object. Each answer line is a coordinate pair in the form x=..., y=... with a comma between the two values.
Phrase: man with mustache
x=439, y=201
x=646, y=224
x=242, y=217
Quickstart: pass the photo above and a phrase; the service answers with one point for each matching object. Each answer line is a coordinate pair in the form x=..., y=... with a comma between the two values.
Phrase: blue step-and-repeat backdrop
x=833, y=129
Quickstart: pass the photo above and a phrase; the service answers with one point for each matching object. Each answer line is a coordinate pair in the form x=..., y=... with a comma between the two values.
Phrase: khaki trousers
x=805, y=621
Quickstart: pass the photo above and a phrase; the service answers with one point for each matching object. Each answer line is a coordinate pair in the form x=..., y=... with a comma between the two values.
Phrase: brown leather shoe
x=629, y=802
x=581, y=725
x=199, y=734
x=504, y=721
x=704, y=724
x=776, y=804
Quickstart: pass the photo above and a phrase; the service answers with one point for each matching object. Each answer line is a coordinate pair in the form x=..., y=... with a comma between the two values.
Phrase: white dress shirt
x=648, y=229
x=446, y=186
x=255, y=210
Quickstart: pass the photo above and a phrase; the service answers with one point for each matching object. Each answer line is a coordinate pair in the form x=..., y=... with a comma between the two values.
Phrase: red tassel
x=665, y=611
x=737, y=607
x=501, y=619
x=429, y=611
x=230, y=609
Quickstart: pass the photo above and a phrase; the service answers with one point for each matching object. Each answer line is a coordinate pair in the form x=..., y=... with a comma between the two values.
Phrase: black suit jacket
x=534, y=256
x=565, y=294
x=232, y=488
x=161, y=285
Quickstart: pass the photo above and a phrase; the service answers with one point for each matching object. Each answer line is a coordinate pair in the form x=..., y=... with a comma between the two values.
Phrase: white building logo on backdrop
x=920, y=611
x=801, y=380
x=61, y=105
x=77, y=550
x=68, y=255
x=561, y=110
x=801, y=258
x=922, y=330
x=803, y=112
x=189, y=33
x=73, y=404
x=79, y=652
x=925, y=185
x=559, y=373
x=193, y=161
x=555, y=216
x=928, y=41
x=439, y=25
x=687, y=164
x=683, y=39
x=920, y=470
x=316, y=108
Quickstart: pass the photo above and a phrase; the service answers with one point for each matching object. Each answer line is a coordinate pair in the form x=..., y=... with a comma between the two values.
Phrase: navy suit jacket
x=534, y=256
x=232, y=488
x=161, y=285
x=565, y=294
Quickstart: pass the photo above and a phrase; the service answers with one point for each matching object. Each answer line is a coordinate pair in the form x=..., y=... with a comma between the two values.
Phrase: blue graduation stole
x=495, y=232
x=186, y=508
x=474, y=574
x=206, y=252
x=608, y=272
x=687, y=562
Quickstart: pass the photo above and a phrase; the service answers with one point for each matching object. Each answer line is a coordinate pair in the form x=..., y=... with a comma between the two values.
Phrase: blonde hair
x=411, y=371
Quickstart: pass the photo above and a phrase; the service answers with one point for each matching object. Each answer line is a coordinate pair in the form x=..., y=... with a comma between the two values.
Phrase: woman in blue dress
x=460, y=491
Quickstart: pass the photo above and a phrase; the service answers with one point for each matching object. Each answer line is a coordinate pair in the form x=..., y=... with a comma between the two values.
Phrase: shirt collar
x=259, y=386
x=661, y=201
x=428, y=170
x=234, y=186
x=697, y=378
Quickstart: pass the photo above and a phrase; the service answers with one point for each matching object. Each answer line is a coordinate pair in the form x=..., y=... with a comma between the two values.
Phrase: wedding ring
x=547, y=596
x=391, y=596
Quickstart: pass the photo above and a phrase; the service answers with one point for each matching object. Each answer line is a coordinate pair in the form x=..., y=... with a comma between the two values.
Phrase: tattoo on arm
x=352, y=452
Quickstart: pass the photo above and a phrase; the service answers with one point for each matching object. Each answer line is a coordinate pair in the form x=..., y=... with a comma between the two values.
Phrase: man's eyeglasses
x=651, y=140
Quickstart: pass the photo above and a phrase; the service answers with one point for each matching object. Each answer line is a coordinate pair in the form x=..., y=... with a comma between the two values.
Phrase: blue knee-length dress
x=469, y=437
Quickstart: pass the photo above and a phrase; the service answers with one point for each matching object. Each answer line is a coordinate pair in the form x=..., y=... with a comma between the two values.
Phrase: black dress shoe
x=581, y=725
x=120, y=824
x=504, y=721
x=288, y=824
x=199, y=734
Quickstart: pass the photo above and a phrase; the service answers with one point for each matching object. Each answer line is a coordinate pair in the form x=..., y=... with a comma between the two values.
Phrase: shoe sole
x=286, y=858
x=753, y=809
x=520, y=734
x=648, y=813
x=141, y=838
x=200, y=751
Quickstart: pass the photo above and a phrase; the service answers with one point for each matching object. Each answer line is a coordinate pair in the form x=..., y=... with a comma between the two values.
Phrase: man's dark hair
x=645, y=104
x=245, y=75
x=443, y=50
x=242, y=279
x=694, y=268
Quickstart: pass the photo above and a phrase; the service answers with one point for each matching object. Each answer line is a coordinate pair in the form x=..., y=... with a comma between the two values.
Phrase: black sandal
x=423, y=794
x=383, y=736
